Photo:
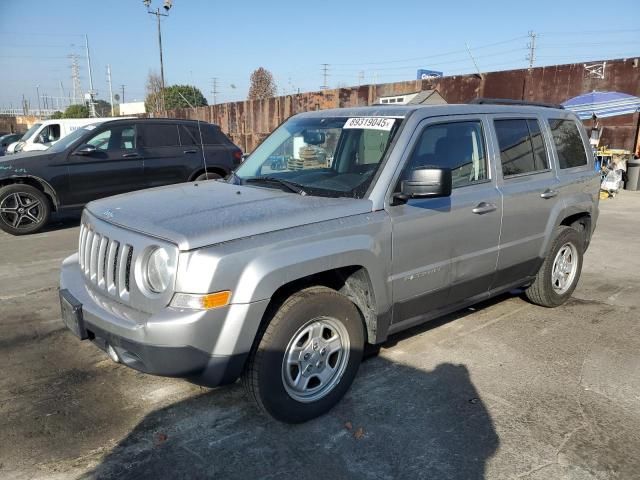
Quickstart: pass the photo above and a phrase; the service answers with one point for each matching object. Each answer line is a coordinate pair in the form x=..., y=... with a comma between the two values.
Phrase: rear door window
x=521, y=146
x=568, y=143
x=160, y=135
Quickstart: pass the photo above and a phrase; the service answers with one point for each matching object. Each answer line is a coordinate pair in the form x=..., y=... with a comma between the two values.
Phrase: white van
x=44, y=134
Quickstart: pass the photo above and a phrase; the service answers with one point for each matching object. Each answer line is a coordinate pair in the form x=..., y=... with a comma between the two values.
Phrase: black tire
x=208, y=176
x=263, y=377
x=542, y=291
x=23, y=209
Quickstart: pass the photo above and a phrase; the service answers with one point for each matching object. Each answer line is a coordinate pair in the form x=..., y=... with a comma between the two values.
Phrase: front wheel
x=307, y=357
x=559, y=274
x=23, y=209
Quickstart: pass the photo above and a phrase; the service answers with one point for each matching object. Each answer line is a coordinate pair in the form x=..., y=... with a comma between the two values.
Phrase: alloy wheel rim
x=21, y=210
x=565, y=266
x=315, y=359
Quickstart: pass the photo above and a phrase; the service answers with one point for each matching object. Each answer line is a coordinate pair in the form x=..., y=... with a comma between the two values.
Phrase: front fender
x=18, y=176
x=266, y=274
x=254, y=268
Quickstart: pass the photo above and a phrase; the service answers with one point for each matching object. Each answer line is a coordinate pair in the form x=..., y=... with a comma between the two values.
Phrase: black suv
x=109, y=158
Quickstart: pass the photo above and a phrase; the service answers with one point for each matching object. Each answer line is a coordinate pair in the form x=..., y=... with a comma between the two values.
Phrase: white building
x=132, y=108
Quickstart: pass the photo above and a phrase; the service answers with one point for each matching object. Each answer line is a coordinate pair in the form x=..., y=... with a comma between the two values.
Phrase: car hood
x=194, y=215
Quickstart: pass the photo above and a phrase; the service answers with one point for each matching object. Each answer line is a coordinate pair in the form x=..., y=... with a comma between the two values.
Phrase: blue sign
x=424, y=74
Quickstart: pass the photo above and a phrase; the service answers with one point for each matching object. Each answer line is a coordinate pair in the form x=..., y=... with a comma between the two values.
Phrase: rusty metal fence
x=248, y=122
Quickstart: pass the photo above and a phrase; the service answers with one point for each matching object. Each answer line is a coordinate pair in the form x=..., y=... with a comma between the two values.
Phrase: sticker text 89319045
x=373, y=123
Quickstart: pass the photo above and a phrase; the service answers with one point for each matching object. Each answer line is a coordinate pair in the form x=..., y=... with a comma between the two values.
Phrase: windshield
x=67, y=141
x=327, y=156
x=30, y=132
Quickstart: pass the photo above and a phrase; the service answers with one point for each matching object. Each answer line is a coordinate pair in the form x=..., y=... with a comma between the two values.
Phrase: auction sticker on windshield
x=372, y=123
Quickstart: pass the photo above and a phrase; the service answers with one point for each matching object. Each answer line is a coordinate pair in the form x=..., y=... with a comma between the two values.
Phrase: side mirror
x=425, y=182
x=85, y=149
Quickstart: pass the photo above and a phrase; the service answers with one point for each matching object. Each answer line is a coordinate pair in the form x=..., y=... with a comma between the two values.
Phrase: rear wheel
x=307, y=357
x=560, y=271
x=23, y=209
x=208, y=176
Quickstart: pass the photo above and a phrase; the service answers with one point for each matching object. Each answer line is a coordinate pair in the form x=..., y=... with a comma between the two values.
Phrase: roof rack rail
x=508, y=101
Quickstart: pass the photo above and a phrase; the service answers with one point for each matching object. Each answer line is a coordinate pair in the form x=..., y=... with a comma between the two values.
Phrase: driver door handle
x=484, y=207
x=548, y=193
x=131, y=155
x=190, y=151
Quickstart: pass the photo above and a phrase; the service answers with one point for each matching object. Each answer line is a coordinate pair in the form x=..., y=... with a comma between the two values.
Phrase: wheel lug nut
x=307, y=356
x=315, y=346
x=323, y=351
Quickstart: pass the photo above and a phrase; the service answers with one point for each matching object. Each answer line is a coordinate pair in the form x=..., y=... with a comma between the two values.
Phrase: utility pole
x=61, y=94
x=214, y=86
x=113, y=113
x=532, y=49
x=360, y=77
x=167, y=6
x=325, y=74
x=38, y=93
x=75, y=78
x=92, y=105
x=122, y=98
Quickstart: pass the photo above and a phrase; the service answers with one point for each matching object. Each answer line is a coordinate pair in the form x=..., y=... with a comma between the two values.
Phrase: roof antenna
x=204, y=160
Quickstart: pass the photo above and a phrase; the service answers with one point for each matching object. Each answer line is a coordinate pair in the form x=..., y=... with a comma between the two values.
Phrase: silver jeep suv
x=343, y=227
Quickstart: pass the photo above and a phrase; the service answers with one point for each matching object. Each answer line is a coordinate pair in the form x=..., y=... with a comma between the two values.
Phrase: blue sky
x=360, y=40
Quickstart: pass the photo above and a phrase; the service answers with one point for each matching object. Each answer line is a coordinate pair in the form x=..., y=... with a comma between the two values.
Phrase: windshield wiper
x=291, y=186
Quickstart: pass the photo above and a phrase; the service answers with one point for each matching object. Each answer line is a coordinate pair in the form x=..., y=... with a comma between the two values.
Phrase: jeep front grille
x=105, y=262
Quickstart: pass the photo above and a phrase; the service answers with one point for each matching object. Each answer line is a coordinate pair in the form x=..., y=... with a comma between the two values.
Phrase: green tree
x=76, y=111
x=57, y=114
x=262, y=85
x=178, y=96
x=103, y=108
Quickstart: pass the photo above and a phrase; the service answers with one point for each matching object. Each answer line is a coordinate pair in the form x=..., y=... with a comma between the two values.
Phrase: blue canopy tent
x=602, y=104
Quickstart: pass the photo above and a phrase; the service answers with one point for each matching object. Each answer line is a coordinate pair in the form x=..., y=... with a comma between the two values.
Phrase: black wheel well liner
x=580, y=222
x=36, y=182
x=213, y=169
x=352, y=281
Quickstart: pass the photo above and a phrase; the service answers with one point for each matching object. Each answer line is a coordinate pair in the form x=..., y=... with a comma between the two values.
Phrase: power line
x=438, y=55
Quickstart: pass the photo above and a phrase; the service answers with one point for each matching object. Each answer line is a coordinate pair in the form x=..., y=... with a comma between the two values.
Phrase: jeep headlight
x=158, y=271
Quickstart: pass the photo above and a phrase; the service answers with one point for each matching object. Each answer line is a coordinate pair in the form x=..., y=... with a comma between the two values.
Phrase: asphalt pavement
x=502, y=390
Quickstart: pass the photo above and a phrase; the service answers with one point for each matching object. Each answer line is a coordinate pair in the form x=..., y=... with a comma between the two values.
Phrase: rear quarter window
x=568, y=143
x=212, y=136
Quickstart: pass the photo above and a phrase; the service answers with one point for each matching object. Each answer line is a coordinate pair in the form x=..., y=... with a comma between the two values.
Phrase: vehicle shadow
x=396, y=421
x=62, y=222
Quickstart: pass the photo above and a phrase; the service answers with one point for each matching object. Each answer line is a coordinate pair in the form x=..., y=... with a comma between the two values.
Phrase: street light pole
x=167, y=6
x=158, y=15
